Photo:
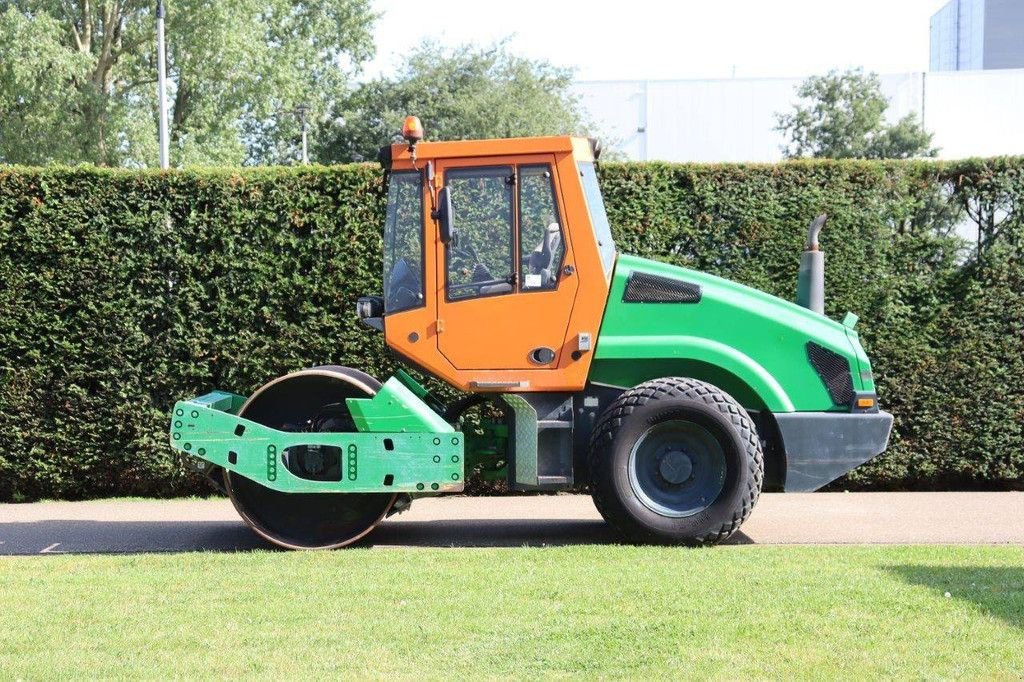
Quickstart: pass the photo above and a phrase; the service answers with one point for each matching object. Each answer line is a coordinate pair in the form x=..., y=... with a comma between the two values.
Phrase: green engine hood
x=749, y=343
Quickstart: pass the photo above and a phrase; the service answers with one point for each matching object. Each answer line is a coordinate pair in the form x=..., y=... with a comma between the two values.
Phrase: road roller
x=672, y=396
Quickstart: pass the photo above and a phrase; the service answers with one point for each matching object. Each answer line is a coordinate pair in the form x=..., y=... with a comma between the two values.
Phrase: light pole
x=302, y=111
x=161, y=84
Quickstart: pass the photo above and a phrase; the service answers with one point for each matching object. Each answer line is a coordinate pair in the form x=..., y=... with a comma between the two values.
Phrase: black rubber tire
x=665, y=399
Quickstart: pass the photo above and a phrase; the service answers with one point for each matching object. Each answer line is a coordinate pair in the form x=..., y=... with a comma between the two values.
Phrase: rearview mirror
x=443, y=215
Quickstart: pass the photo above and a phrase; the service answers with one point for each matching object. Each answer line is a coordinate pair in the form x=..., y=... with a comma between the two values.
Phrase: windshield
x=598, y=217
x=403, y=243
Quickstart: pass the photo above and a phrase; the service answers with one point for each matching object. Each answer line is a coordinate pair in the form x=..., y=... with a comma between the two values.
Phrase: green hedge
x=121, y=291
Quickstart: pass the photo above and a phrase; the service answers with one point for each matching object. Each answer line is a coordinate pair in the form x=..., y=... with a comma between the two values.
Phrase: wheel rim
x=677, y=468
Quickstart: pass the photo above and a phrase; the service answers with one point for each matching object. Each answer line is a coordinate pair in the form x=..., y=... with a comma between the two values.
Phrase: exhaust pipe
x=810, y=285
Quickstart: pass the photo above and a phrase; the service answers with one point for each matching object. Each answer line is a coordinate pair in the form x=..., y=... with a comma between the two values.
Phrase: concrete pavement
x=817, y=518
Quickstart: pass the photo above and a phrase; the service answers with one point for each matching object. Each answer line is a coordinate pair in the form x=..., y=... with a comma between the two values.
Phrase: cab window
x=403, y=243
x=479, y=259
x=598, y=217
x=540, y=231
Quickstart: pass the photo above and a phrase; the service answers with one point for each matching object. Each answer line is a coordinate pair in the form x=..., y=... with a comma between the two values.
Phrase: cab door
x=506, y=283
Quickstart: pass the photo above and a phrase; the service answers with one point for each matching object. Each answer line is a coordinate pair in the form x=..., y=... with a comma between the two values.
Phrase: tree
x=465, y=93
x=236, y=71
x=842, y=116
x=37, y=90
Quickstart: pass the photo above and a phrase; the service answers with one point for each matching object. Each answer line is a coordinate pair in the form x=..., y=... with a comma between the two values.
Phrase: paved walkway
x=819, y=518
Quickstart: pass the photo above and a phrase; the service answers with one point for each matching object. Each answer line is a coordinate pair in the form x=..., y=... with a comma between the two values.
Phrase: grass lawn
x=731, y=612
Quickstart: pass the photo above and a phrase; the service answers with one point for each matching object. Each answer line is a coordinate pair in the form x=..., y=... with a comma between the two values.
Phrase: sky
x=646, y=39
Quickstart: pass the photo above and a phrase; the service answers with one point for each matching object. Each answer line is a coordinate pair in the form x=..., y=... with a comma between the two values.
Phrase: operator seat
x=540, y=262
x=543, y=256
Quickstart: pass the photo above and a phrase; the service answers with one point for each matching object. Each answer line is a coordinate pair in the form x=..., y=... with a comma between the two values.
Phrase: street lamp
x=302, y=111
x=161, y=84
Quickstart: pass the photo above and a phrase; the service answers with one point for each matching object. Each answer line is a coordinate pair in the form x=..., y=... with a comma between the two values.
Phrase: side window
x=479, y=259
x=403, y=243
x=540, y=231
x=598, y=217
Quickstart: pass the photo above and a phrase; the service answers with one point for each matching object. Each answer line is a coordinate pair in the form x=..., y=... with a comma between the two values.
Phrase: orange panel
x=500, y=332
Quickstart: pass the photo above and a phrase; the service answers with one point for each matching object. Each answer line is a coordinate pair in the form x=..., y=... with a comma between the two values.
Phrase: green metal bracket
x=416, y=459
x=221, y=400
x=410, y=383
x=420, y=391
x=396, y=409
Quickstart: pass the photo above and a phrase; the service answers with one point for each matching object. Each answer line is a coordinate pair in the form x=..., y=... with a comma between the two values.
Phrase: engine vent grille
x=834, y=371
x=642, y=287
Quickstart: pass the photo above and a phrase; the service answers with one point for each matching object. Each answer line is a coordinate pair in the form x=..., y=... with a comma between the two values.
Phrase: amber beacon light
x=412, y=130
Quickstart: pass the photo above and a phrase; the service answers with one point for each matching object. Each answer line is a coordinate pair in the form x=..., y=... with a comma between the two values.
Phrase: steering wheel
x=405, y=289
x=464, y=257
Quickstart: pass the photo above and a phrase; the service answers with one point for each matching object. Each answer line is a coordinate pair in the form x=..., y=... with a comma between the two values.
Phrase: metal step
x=542, y=430
x=558, y=481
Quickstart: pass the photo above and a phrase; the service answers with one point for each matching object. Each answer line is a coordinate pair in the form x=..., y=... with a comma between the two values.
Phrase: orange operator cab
x=512, y=299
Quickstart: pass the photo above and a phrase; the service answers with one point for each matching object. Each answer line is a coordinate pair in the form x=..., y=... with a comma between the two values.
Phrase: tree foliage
x=468, y=92
x=37, y=91
x=842, y=116
x=236, y=70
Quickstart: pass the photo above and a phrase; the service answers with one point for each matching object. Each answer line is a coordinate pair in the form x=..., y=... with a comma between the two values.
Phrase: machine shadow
x=492, y=533
x=53, y=537
x=999, y=590
x=26, y=538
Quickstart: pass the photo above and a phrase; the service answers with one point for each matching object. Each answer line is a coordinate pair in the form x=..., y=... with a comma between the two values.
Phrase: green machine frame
x=401, y=446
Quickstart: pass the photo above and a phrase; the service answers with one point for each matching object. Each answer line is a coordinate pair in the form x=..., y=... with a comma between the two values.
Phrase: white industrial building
x=971, y=113
x=967, y=35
